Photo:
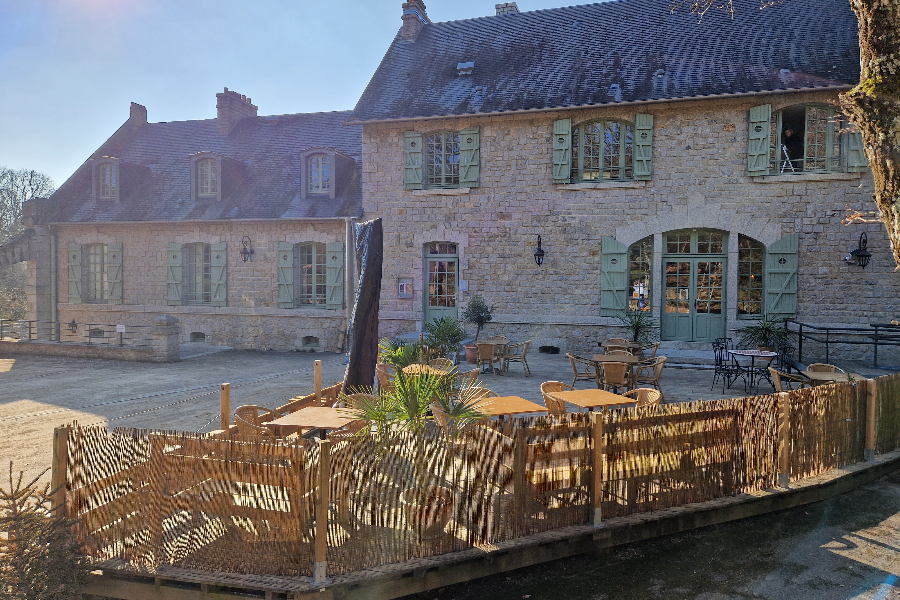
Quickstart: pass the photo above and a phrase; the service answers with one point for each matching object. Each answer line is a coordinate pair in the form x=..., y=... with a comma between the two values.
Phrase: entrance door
x=441, y=284
x=694, y=287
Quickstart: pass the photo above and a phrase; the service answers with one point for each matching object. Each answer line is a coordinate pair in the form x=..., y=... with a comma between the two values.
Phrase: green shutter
x=174, y=266
x=758, y=145
x=856, y=152
x=74, y=261
x=781, y=278
x=334, y=276
x=469, y=157
x=613, y=278
x=562, y=151
x=114, y=272
x=643, y=147
x=412, y=160
x=285, y=275
x=218, y=261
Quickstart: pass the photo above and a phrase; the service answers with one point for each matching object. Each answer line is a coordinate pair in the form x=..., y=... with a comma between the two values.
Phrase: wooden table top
x=593, y=398
x=509, y=405
x=831, y=377
x=314, y=417
x=607, y=344
x=623, y=358
x=417, y=369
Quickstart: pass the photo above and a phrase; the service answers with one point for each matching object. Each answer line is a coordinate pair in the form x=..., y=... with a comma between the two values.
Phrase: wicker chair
x=645, y=396
x=653, y=346
x=516, y=353
x=588, y=370
x=554, y=405
x=616, y=341
x=823, y=368
x=488, y=354
x=649, y=374
x=614, y=376
x=255, y=415
x=782, y=382
x=248, y=430
x=462, y=380
x=618, y=352
x=386, y=374
x=444, y=364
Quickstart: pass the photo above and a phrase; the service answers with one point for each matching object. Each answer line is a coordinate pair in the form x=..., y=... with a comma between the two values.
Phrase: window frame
x=644, y=249
x=751, y=244
x=626, y=160
x=319, y=190
x=428, y=154
x=89, y=276
x=190, y=285
x=836, y=136
x=196, y=161
x=319, y=249
x=100, y=167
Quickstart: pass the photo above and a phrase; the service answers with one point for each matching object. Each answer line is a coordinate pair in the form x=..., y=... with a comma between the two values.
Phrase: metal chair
x=588, y=370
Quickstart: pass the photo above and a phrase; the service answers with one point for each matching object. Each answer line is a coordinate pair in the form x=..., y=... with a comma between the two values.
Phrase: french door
x=441, y=264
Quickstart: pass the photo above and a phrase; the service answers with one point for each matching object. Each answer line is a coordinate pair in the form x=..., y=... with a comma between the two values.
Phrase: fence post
x=320, y=575
x=318, y=379
x=520, y=457
x=597, y=466
x=784, y=440
x=60, y=470
x=871, y=388
x=800, y=343
x=225, y=407
x=157, y=510
x=1, y=329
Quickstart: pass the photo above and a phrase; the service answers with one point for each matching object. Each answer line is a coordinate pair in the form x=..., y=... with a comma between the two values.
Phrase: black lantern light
x=539, y=253
x=861, y=254
x=246, y=248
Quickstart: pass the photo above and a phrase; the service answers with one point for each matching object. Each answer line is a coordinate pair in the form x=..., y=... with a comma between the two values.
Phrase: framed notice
x=405, y=287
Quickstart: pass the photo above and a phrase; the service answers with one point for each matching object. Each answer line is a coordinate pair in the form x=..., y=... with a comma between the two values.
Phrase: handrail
x=849, y=335
x=73, y=332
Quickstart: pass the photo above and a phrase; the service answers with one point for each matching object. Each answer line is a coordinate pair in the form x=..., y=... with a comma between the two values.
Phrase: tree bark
x=874, y=105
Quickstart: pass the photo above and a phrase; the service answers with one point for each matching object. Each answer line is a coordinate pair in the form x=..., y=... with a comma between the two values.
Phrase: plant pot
x=766, y=348
x=471, y=354
x=427, y=510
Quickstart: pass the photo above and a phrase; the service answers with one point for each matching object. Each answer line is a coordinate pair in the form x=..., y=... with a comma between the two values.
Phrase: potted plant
x=639, y=324
x=399, y=354
x=444, y=336
x=765, y=334
x=478, y=313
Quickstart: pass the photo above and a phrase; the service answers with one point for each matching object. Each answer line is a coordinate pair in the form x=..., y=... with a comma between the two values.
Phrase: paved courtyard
x=40, y=393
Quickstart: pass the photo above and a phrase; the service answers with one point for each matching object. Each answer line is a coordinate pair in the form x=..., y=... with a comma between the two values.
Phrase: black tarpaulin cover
x=364, y=320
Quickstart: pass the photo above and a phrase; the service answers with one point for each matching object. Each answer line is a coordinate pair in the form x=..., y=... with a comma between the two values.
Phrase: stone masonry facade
x=699, y=181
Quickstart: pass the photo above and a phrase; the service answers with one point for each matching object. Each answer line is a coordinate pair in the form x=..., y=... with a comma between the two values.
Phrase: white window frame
x=95, y=273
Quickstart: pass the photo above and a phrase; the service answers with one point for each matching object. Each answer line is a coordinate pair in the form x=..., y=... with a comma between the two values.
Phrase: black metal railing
x=874, y=334
x=135, y=336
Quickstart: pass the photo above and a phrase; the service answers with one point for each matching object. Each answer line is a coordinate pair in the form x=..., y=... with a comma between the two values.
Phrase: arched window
x=207, y=177
x=319, y=174
x=602, y=150
x=442, y=164
x=640, y=256
x=751, y=261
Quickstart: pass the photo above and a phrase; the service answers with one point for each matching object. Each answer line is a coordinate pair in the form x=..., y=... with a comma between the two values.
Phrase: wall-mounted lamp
x=539, y=253
x=860, y=253
x=246, y=248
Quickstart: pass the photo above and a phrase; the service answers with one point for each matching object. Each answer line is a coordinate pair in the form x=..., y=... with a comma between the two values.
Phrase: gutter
x=842, y=87
x=201, y=221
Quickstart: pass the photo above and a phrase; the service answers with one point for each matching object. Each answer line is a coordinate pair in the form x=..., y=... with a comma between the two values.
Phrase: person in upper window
x=794, y=144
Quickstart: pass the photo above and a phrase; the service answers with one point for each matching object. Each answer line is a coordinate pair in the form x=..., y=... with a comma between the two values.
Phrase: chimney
x=231, y=107
x=138, y=115
x=414, y=19
x=506, y=8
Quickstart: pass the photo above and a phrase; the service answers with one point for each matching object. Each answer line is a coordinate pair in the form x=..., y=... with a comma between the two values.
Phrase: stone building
x=697, y=171
x=237, y=225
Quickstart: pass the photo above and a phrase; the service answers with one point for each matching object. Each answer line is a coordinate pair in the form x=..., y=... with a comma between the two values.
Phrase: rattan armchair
x=649, y=374
x=445, y=364
x=587, y=372
x=555, y=406
x=824, y=368
x=488, y=354
x=386, y=374
x=516, y=353
x=255, y=415
x=614, y=376
x=248, y=430
x=783, y=382
x=645, y=396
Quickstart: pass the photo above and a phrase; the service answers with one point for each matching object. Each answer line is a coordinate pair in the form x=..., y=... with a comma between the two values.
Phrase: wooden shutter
x=174, y=267
x=218, y=261
x=643, y=147
x=74, y=262
x=412, y=160
x=613, y=278
x=114, y=272
x=334, y=276
x=469, y=157
x=562, y=151
x=856, y=152
x=781, y=278
x=758, y=145
x=285, y=275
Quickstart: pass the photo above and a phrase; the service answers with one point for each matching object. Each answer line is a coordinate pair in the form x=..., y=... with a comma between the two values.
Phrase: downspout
x=349, y=277
x=53, y=288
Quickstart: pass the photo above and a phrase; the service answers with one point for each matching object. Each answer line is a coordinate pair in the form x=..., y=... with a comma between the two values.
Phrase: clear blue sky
x=71, y=68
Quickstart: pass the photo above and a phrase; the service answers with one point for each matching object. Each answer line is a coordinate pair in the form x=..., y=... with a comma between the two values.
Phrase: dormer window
x=319, y=174
x=206, y=176
x=106, y=179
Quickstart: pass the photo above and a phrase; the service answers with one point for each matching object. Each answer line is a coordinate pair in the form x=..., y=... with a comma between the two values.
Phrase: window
x=602, y=150
x=751, y=263
x=319, y=174
x=109, y=187
x=96, y=287
x=207, y=177
x=443, y=159
x=639, y=260
x=197, y=277
x=311, y=275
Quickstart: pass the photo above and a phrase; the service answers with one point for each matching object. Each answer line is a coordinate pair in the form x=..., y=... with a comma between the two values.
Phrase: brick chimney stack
x=414, y=19
x=506, y=8
x=138, y=115
x=231, y=107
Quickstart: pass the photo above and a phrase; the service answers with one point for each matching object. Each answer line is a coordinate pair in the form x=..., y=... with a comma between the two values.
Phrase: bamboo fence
x=147, y=499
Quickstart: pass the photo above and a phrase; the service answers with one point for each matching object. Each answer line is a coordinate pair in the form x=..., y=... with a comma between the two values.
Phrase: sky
x=70, y=68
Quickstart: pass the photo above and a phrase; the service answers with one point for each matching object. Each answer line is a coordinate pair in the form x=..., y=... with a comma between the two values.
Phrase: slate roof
x=264, y=161
x=569, y=57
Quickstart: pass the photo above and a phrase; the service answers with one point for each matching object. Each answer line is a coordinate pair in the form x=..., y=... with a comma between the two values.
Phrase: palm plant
x=444, y=335
x=399, y=354
x=639, y=324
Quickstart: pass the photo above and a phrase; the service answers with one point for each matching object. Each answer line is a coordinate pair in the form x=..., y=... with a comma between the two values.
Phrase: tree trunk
x=874, y=105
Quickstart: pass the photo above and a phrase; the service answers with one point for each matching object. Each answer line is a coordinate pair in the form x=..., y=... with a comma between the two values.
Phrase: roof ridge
x=530, y=12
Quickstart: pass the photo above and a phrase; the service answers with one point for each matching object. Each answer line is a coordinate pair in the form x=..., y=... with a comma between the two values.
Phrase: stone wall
x=699, y=181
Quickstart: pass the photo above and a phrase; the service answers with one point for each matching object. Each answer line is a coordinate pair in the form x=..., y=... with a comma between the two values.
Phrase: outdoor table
x=629, y=345
x=752, y=370
x=592, y=399
x=821, y=378
x=325, y=418
x=508, y=406
x=417, y=369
